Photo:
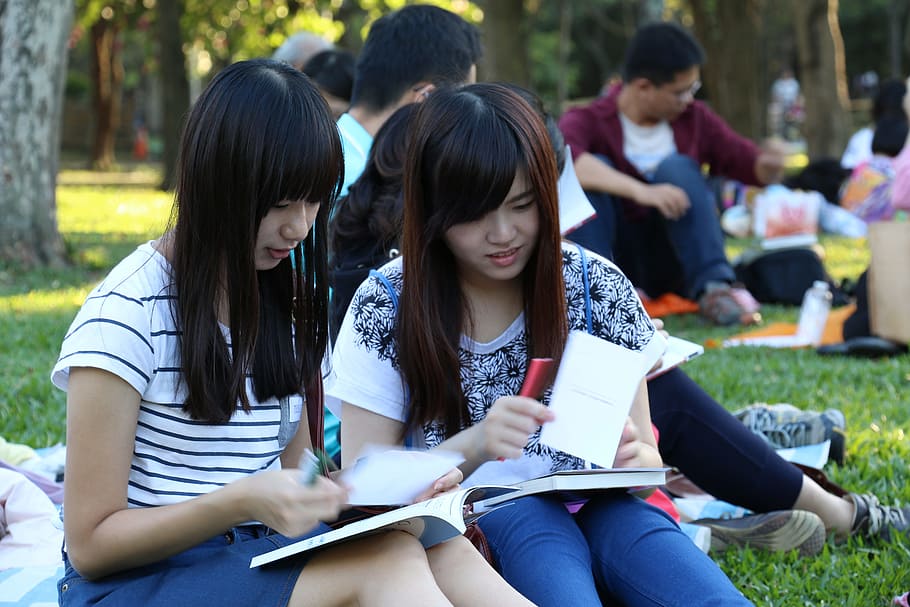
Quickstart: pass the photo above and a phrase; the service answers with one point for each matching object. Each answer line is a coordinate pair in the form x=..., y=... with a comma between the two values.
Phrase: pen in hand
x=312, y=465
x=536, y=379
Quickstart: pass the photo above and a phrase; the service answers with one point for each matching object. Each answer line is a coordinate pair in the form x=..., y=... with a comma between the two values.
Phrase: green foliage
x=103, y=222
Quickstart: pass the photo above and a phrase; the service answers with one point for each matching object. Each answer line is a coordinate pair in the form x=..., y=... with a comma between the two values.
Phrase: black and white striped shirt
x=126, y=326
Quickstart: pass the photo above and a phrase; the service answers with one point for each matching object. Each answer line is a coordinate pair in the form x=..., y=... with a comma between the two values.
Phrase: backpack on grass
x=781, y=276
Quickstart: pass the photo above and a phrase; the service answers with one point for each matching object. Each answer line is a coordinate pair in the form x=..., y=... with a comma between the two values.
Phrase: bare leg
x=467, y=579
x=387, y=569
x=837, y=513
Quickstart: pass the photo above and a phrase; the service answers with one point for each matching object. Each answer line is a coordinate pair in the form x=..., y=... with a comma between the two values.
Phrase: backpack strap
x=585, y=280
x=388, y=287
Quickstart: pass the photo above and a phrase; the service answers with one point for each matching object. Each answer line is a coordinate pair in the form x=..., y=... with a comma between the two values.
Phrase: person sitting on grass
x=185, y=371
x=483, y=284
x=639, y=151
x=698, y=435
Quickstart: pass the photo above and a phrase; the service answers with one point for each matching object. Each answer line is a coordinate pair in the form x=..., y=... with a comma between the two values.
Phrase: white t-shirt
x=126, y=326
x=365, y=371
x=646, y=146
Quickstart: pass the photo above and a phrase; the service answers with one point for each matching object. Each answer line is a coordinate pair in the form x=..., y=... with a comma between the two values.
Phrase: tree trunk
x=823, y=76
x=505, y=40
x=107, y=83
x=730, y=33
x=33, y=54
x=175, y=86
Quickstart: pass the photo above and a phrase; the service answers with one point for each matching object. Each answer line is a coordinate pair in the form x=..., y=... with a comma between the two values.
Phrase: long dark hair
x=465, y=148
x=259, y=134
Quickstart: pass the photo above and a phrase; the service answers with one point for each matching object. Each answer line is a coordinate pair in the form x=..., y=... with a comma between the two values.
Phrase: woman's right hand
x=280, y=501
x=505, y=430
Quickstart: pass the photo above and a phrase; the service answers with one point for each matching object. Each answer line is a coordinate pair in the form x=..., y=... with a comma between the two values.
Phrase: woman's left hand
x=632, y=452
x=445, y=483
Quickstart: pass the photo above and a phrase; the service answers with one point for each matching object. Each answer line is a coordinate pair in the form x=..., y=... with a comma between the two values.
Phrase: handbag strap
x=315, y=413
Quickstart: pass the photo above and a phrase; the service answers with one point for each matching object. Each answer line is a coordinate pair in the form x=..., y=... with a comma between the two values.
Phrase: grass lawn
x=104, y=216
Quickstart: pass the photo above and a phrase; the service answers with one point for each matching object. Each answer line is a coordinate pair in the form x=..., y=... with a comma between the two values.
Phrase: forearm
x=597, y=176
x=137, y=536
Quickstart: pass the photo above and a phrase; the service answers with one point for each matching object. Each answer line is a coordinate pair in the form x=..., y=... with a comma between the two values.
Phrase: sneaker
x=873, y=519
x=779, y=531
x=724, y=305
x=785, y=426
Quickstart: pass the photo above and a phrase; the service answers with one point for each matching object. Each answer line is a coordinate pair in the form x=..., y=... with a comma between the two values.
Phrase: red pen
x=536, y=380
x=537, y=377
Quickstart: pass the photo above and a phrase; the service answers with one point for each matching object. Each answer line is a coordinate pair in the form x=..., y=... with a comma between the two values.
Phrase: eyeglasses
x=689, y=93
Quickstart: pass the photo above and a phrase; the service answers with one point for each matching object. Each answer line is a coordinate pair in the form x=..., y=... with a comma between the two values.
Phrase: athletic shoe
x=873, y=519
x=779, y=531
x=785, y=426
x=724, y=305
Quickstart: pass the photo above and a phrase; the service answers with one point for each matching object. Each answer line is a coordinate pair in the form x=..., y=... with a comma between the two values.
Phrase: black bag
x=782, y=276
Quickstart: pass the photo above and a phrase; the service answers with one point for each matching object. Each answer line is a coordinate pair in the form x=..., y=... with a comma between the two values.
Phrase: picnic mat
x=833, y=333
x=30, y=586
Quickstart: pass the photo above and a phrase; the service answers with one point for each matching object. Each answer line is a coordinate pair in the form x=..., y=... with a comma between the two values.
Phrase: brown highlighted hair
x=465, y=149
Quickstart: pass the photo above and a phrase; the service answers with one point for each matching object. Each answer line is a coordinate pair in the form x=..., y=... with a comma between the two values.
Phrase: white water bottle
x=813, y=314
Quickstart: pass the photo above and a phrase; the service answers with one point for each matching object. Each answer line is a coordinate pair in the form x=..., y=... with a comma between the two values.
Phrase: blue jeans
x=657, y=254
x=616, y=549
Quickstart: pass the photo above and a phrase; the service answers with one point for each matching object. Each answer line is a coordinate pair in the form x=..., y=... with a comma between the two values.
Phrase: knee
x=396, y=550
x=675, y=166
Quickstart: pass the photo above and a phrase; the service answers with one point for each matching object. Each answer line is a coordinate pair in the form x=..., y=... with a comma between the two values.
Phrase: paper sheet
x=396, y=476
x=592, y=395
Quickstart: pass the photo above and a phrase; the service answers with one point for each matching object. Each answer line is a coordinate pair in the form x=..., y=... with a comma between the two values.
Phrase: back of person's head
x=259, y=134
x=659, y=51
x=298, y=48
x=466, y=148
x=332, y=71
x=366, y=227
x=372, y=209
x=418, y=43
x=889, y=101
x=890, y=135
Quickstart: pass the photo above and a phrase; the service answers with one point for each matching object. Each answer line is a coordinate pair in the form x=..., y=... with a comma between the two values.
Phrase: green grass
x=104, y=216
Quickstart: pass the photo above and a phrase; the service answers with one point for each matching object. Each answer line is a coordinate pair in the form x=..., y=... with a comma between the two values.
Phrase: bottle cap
x=820, y=284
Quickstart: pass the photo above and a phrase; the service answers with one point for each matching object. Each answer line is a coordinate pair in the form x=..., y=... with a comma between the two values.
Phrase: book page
x=678, y=351
x=431, y=521
x=592, y=396
x=574, y=207
x=393, y=476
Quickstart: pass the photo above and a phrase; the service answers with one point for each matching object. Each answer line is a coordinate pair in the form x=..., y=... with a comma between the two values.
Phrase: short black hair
x=890, y=135
x=889, y=101
x=333, y=72
x=413, y=44
x=659, y=51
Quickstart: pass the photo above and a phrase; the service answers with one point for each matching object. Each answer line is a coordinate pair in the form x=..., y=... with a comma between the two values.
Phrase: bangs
x=481, y=167
x=304, y=163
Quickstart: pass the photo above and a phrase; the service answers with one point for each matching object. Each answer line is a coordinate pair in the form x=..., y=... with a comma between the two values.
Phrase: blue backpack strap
x=589, y=325
x=394, y=297
x=388, y=286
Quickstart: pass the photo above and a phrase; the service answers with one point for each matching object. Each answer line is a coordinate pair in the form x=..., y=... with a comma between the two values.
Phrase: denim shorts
x=215, y=572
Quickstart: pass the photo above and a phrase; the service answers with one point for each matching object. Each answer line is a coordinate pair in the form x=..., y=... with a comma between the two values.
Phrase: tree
x=823, y=76
x=505, y=39
x=175, y=87
x=33, y=56
x=731, y=34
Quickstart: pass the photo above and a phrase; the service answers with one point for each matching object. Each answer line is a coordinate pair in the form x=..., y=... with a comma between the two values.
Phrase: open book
x=432, y=521
x=578, y=483
x=678, y=351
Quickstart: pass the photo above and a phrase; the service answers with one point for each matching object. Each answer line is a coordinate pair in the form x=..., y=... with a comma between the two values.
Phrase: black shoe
x=863, y=347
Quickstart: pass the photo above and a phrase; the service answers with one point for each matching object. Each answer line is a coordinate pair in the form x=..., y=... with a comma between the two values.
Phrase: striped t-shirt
x=126, y=327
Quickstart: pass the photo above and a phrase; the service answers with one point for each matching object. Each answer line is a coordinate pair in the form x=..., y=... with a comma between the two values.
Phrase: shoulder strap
x=586, y=283
x=388, y=287
x=315, y=413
